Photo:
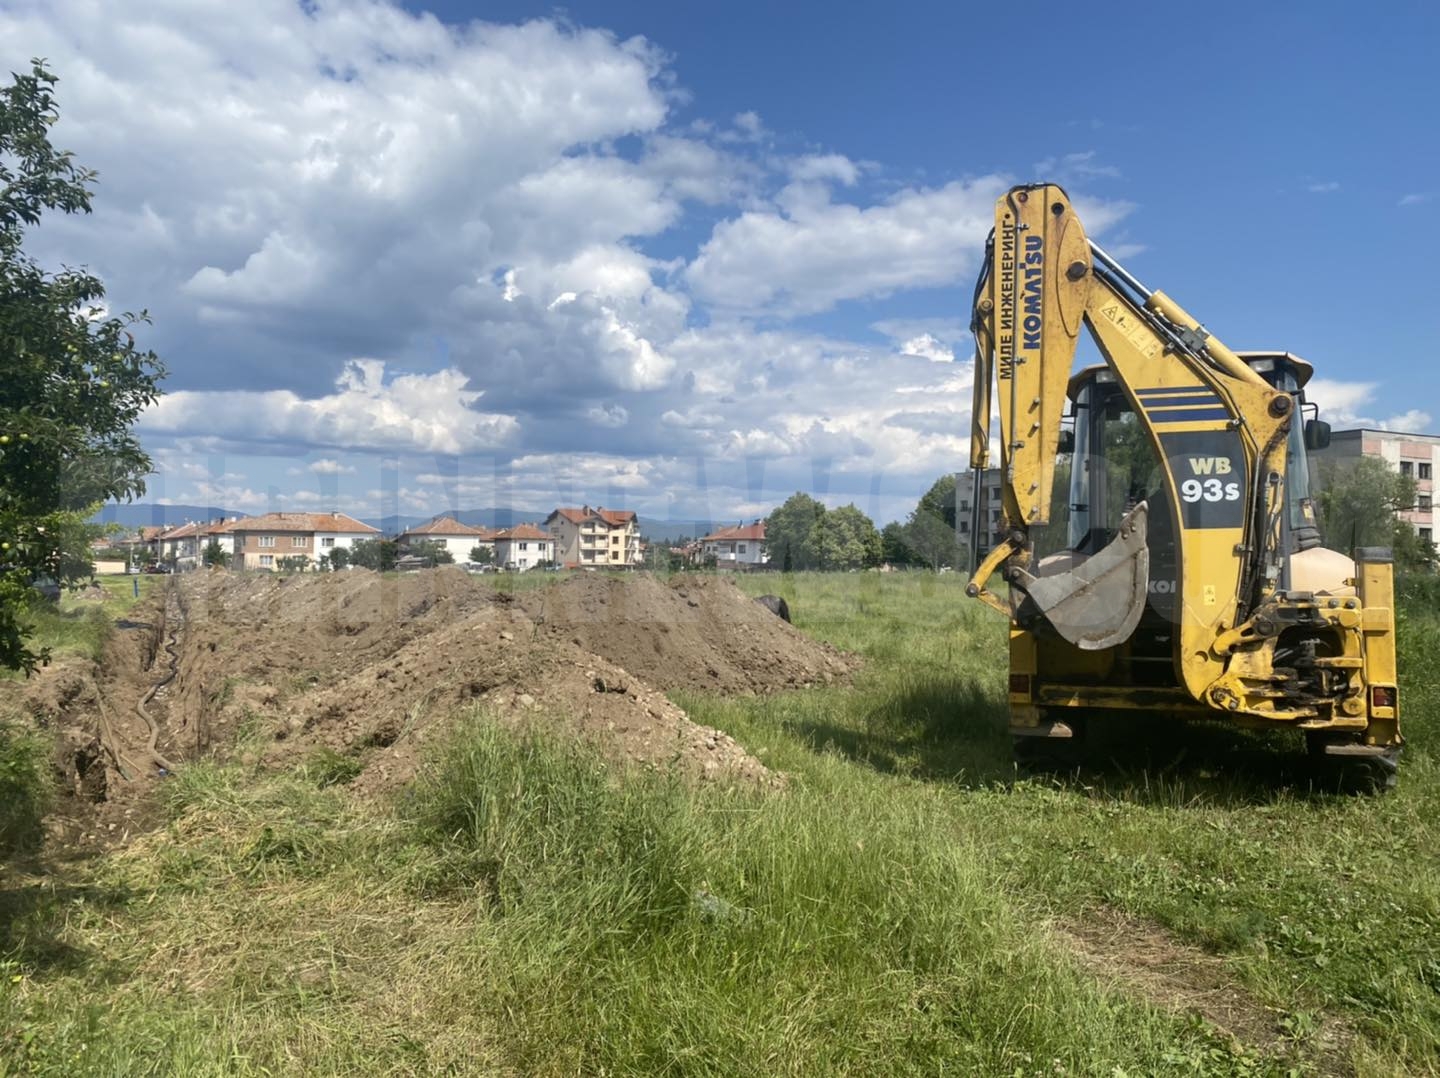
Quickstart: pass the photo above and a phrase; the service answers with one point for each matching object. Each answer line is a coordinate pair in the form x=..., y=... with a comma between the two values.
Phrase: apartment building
x=1416, y=456
x=260, y=542
x=989, y=515
x=595, y=538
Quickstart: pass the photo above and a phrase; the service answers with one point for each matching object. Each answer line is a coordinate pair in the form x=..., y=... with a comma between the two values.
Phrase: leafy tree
x=1359, y=503
x=433, y=552
x=791, y=531
x=894, y=545
x=930, y=533
x=482, y=554
x=377, y=554
x=74, y=378
x=846, y=539
x=339, y=557
x=293, y=563
x=216, y=555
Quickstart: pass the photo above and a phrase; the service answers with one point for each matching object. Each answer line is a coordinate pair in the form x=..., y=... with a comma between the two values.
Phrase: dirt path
x=1143, y=960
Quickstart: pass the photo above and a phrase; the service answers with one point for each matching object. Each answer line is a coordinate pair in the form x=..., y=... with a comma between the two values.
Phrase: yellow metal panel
x=1035, y=300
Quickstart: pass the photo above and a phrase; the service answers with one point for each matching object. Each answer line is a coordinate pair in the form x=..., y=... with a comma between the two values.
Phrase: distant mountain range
x=147, y=515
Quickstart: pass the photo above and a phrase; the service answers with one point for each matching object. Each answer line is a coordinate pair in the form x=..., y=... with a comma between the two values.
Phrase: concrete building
x=589, y=538
x=990, y=502
x=1415, y=456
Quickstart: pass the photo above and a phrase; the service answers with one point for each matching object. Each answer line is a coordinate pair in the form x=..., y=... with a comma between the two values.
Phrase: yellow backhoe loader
x=1157, y=533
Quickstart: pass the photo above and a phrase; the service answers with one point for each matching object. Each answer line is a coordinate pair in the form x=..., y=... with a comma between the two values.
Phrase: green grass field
x=906, y=906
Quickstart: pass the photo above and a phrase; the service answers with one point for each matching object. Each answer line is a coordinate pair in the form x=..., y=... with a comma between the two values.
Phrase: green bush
x=25, y=787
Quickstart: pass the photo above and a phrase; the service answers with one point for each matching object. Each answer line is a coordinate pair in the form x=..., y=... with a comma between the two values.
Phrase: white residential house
x=523, y=547
x=459, y=539
x=219, y=532
x=740, y=547
x=185, y=545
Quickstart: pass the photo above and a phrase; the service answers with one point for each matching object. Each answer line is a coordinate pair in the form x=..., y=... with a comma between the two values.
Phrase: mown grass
x=526, y=910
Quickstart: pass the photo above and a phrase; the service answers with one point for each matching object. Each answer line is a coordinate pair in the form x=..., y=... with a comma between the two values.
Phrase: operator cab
x=1112, y=466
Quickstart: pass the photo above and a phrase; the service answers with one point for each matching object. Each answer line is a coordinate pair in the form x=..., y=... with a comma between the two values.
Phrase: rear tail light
x=1381, y=696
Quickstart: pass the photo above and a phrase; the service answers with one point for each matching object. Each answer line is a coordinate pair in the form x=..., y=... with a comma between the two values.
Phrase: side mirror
x=1067, y=442
x=1317, y=434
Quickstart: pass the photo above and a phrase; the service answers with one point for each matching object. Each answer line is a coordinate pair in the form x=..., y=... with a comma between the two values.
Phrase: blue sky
x=690, y=258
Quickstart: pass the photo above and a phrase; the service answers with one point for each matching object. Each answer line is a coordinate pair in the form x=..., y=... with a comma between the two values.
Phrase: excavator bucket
x=1095, y=603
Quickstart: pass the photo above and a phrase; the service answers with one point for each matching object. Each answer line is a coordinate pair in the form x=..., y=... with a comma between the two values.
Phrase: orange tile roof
x=303, y=522
x=522, y=531
x=755, y=532
x=616, y=518
x=444, y=525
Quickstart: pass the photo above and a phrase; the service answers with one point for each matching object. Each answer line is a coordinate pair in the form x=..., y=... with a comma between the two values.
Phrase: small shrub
x=25, y=787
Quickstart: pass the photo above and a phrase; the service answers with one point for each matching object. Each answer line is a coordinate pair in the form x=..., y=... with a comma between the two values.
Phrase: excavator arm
x=1217, y=428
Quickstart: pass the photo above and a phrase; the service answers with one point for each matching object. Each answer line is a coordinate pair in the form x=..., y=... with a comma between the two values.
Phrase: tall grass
x=526, y=909
x=26, y=786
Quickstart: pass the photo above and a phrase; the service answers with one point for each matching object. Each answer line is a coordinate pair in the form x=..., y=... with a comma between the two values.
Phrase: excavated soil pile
x=700, y=633
x=375, y=667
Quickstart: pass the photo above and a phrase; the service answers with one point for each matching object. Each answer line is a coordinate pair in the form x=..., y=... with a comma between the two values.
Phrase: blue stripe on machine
x=1185, y=415
x=1177, y=399
x=1169, y=391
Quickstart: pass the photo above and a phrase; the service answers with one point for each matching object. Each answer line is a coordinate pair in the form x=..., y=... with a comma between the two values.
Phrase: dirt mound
x=694, y=632
x=372, y=665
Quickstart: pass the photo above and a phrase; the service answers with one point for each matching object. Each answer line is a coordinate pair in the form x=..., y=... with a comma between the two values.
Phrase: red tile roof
x=615, y=518
x=304, y=522
x=754, y=532
x=444, y=525
x=522, y=531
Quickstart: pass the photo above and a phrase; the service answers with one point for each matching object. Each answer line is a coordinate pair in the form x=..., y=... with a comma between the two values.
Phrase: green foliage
x=25, y=787
x=483, y=554
x=338, y=557
x=293, y=563
x=790, y=532
x=847, y=539
x=1359, y=501
x=326, y=767
x=377, y=554
x=215, y=555
x=75, y=381
x=803, y=534
x=433, y=552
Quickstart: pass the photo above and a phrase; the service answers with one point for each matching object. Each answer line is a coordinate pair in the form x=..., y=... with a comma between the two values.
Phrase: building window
x=328, y=542
x=1424, y=471
x=965, y=506
x=299, y=540
x=266, y=540
x=1425, y=534
x=964, y=527
x=267, y=560
x=524, y=546
x=1422, y=502
x=741, y=548
x=1406, y=468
